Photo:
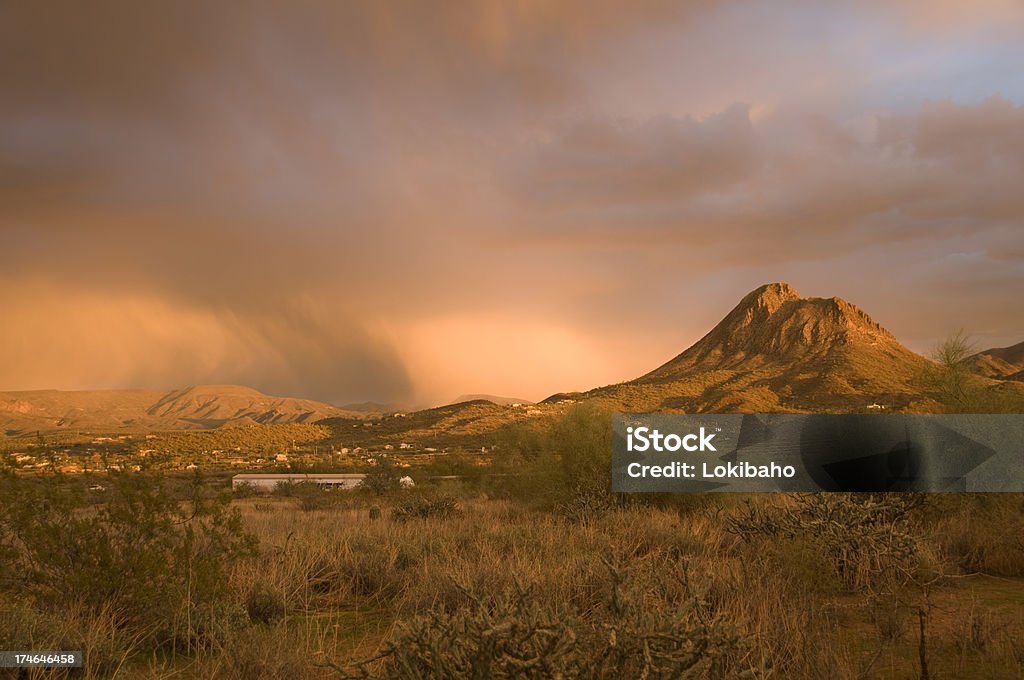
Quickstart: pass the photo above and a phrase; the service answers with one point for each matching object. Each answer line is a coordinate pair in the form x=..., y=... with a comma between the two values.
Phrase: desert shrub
x=586, y=505
x=159, y=566
x=423, y=507
x=106, y=646
x=244, y=491
x=311, y=496
x=864, y=537
x=519, y=633
x=582, y=441
x=264, y=604
x=562, y=465
x=382, y=479
x=257, y=653
x=982, y=533
x=973, y=630
x=373, y=569
x=510, y=637
x=679, y=637
x=770, y=597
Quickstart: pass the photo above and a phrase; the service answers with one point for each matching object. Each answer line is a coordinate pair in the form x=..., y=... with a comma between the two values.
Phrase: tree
x=959, y=389
x=382, y=479
x=953, y=378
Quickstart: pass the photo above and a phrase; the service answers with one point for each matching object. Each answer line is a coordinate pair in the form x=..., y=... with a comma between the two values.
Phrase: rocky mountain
x=200, y=407
x=1000, y=363
x=778, y=351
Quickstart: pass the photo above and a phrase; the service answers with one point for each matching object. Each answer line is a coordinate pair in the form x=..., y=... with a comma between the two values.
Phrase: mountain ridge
x=493, y=398
x=194, y=407
x=1000, y=363
x=778, y=351
x=774, y=351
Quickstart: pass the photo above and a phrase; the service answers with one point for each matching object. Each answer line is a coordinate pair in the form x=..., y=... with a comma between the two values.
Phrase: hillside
x=1000, y=363
x=201, y=407
x=46, y=410
x=494, y=399
x=452, y=425
x=373, y=408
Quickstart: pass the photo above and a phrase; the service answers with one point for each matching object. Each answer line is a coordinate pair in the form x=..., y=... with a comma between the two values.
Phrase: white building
x=269, y=482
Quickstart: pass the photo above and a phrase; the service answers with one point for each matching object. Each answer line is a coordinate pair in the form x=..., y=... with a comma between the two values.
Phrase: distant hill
x=777, y=351
x=46, y=410
x=1000, y=363
x=200, y=407
x=376, y=408
x=500, y=401
x=463, y=424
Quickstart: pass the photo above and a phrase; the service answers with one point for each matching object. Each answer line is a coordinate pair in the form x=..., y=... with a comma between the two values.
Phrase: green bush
x=422, y=507
x=382, y=479
x=311, y=496
x=159, y=565
x=245, y=491
x=564, y=464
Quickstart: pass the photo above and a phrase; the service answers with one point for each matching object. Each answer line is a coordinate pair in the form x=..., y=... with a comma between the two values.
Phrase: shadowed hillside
x=1001, y=363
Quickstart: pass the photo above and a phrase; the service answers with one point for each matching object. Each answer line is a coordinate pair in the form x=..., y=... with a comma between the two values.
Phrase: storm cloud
x=406, y=202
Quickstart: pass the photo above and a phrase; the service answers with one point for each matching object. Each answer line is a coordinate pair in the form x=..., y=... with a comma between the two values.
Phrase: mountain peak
x=769, y=297
x=778, y=351
x=774, y=324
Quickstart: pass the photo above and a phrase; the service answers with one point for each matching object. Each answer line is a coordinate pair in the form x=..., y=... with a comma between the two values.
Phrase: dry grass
x=792, y=609
x=333, y=586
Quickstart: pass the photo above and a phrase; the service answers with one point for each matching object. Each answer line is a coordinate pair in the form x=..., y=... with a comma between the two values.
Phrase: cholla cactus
x=863, y=536
x=525, y=636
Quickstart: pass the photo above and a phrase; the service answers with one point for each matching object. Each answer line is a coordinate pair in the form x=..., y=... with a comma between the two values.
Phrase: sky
x=405, y=202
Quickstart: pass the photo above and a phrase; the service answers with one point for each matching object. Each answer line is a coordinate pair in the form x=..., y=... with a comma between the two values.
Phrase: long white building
x=269, y=482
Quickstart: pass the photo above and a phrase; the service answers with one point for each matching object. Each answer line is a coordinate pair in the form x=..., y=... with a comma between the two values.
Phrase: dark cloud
x=790, y=185
x=319, y=198
x=594, y=164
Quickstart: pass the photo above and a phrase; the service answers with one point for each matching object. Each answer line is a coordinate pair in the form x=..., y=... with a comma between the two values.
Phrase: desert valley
x=774, y=352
